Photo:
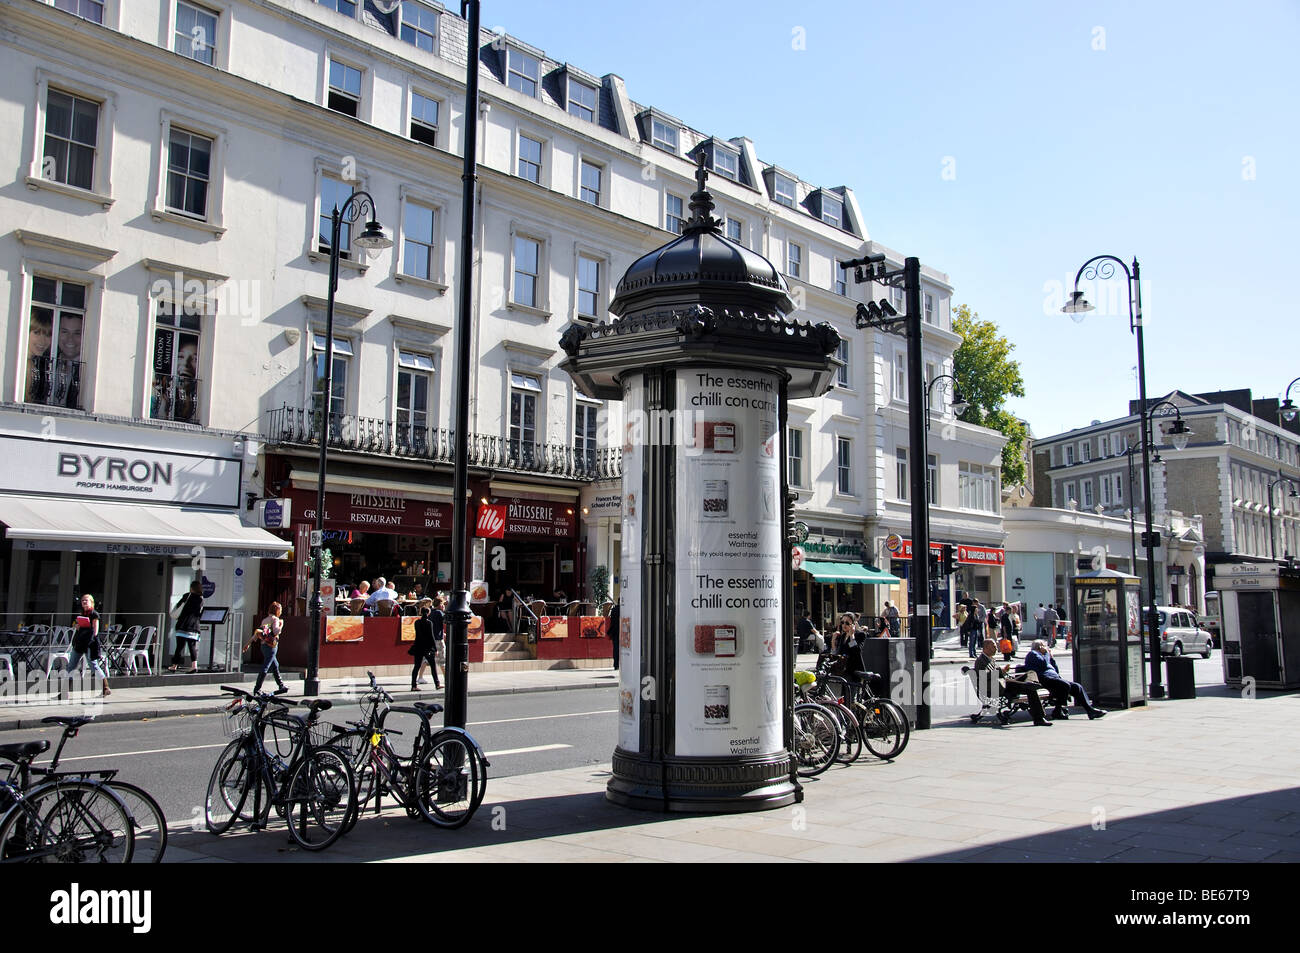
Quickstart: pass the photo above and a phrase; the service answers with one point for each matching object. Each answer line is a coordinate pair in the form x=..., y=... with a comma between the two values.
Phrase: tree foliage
x=988, y=376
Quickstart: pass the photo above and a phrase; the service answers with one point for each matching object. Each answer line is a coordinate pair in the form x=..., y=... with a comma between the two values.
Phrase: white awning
x=132, y=529
x=335, y=483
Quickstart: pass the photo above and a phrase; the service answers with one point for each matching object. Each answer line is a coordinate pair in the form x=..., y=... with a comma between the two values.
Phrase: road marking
x=497, y=754
x=575, y=714
x=128, y=754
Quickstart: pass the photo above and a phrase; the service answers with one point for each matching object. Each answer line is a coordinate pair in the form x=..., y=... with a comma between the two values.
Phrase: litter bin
x=1181, y=677
x=894, y=660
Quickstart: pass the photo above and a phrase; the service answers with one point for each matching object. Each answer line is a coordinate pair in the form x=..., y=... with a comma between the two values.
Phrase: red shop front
x=531, y=548
x=369, y=534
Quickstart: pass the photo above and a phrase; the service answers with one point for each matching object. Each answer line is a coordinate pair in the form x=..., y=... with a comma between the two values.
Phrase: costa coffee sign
x=966, y=555
x=374, y=512
x=525, y=518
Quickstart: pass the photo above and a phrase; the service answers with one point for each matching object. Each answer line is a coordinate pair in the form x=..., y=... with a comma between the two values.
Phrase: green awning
x=848, y=572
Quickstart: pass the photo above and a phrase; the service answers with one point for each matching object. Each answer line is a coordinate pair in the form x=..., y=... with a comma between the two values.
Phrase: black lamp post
x=372, y=238
x=1272, y=544
x=459, y=612
x=1288, y=410
x=1132, y=531
x=881, y=316
x=1102, y=267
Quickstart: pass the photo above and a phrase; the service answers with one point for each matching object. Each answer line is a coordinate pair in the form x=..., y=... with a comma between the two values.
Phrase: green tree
x=988, y=376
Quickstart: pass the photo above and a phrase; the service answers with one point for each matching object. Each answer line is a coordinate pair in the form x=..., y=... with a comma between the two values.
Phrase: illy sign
x=491, y=521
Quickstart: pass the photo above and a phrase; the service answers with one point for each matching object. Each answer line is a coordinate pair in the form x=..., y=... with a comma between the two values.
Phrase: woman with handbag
x=85, y=643
x=268, y=633
x=186, y=612
x=424, y=647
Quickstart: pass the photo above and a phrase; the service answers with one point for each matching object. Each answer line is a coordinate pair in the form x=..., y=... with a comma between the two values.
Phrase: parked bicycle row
x=320, y=777
x=52, y=816
x=839, y=714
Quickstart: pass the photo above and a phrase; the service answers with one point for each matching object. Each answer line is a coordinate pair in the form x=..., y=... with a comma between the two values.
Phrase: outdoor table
x=25, y=646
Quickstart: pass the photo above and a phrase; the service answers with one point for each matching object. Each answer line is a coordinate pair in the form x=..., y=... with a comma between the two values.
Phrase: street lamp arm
x=359, y=204
x=1100, y=268
x=1287, y=395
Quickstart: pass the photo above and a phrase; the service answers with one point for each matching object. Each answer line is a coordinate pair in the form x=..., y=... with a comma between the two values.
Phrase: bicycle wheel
x=228, y=788
x=816, y=739
x=320, y=798
x=850, y=733
x=444, y=781
x=68, y=822
x=883, y=728
x=148, y=823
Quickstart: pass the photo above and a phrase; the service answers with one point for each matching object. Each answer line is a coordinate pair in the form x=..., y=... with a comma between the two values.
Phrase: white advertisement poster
x=629, y=634
x=728, y=691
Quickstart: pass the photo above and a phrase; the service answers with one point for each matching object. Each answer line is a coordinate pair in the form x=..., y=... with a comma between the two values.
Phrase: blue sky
x=1165, y=131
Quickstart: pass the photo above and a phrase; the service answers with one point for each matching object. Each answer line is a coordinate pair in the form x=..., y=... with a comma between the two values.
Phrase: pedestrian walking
x=268, y=634
x=891, y=617
x=438, y=618
x=187, y=611
x=1038, y=620
x=1049, y=626
x=612, y=623
x=425, y=646
x=85, y=642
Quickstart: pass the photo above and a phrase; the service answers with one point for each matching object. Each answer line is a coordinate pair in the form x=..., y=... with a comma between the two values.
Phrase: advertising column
x=629, y=633
x=728, y=558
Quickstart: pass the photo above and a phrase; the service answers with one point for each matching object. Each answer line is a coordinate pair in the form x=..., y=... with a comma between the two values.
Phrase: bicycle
x=313, y=790
x=811, y=689
x=148, y=823
x=885, y=727
x=60, y=820
x=816, y=741
x=443, y=780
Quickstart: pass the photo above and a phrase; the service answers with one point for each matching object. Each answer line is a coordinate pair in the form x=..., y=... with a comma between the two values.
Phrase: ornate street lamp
x=1103, y=267
x=372, y=238
x=959, y=403
x=1288, y=410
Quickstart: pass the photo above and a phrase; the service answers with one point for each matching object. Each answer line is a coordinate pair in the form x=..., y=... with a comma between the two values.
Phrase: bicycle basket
x=237, y=719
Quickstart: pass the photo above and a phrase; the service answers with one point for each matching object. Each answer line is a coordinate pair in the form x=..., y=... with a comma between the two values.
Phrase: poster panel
x=629, y=633
x=728, y=558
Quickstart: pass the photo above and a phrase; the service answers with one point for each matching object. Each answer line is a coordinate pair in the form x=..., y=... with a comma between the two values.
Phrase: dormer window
x=663, y=136
x=522, y=72
x=832, y=211
x=582, y=100
x=726, y=164
x=783, y=190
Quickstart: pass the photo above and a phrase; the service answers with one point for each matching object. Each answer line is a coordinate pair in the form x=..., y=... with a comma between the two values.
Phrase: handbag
x=175, y=612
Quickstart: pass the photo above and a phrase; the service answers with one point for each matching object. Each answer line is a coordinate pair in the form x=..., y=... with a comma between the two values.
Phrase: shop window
x=414, y=382
x=524, y=392
x=176, y=337
x=54, y=338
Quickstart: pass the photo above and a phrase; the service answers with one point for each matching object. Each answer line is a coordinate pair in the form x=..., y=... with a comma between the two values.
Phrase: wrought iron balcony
x=175, y=397
x=299, y=426
x=55, y=382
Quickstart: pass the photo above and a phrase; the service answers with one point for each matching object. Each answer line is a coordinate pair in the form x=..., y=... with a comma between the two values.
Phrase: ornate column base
x=702, y=785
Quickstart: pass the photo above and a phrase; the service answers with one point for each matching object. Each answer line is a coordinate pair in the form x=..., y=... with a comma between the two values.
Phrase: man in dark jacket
x=1039, y=661
x=611, y=625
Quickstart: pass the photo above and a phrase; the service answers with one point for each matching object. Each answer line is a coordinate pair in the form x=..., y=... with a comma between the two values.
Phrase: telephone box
x=1260, y=633
x=1108, y=637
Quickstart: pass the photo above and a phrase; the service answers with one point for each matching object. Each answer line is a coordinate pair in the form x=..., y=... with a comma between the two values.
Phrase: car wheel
x=1178, y=649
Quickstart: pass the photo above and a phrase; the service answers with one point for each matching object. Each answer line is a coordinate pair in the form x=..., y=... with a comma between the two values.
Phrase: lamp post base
x=1156, y=691
x=702, y=785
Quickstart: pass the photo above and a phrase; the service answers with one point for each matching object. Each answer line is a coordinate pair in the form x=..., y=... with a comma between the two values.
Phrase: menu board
x=728, y=690
x=629, y=632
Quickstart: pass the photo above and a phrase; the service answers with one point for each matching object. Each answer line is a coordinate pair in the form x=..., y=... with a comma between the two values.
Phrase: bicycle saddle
x=23, y=750
x=431, y=707
x=68, y=721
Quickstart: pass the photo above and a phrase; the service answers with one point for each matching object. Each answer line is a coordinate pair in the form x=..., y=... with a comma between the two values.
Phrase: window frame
x=932, y=477
x=778, y=178
x=510, y=73
x=570, y=103
x=437, y=24
x=899, y=375
x=586, y=448
x=416, y=362
x=433, y=245
x=844, y=374
x=668, y=217
x=903, y=474
x=165, y=292
x=797, y=455
x=104, y=11
x=542, y=164
x=740, y=226
x=362, y=100
x=928, y=312
x=344, y=350
x=410, y=121
x=794, y=259
x=60, y=276
x=843, y=448
x=715, y=150
x=101, y=189
x=838, y=221
x=839, y=278
x=585, y=161
x=218, y=9
x=328, y=168
x=663, y=144
x=541, y=306
x=214, y=220
x=538, y=394
x=601, y=260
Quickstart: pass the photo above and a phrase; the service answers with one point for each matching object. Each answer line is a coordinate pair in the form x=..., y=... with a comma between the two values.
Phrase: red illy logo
x=491, y=521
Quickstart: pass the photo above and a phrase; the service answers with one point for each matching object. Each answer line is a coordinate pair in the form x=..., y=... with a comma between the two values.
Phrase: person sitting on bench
x=1039, y=661
x=1010, y=687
